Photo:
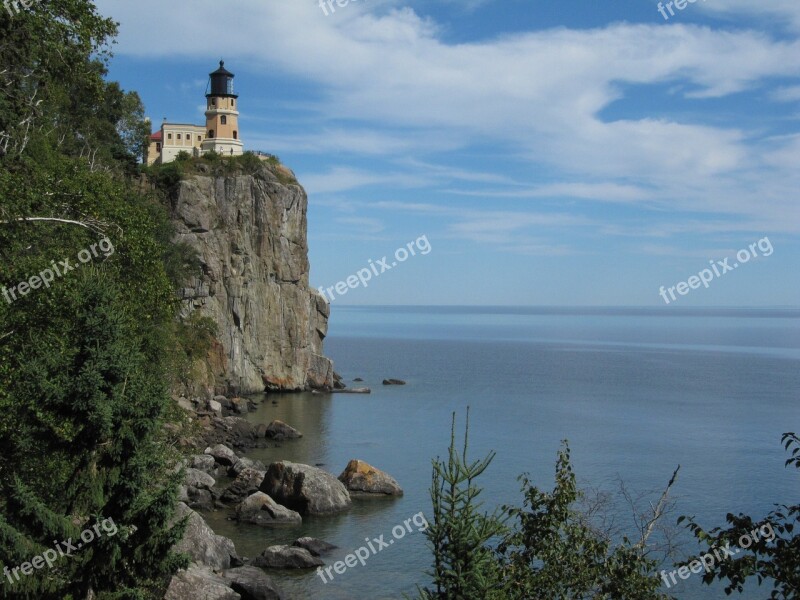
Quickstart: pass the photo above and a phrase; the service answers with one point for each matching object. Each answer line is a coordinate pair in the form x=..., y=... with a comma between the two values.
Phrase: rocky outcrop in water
x=249, y=232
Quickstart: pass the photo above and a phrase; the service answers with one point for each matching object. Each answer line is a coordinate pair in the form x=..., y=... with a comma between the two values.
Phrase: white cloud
x=539, y=93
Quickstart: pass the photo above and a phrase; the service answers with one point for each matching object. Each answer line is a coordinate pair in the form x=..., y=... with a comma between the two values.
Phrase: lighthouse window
x=179, y=136
x=213, y=101
x=169, y=136
x=211, y=133
x=224, y=120
x=233, y=103
x=235, y=134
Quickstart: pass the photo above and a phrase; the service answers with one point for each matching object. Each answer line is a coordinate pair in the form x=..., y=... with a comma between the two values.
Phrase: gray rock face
x=362, y=477
x=286, y=557
x=252, y=584
x=260, y=509
x=199, y=583
x=305, y=489
x=201, y=543
x=250, y=234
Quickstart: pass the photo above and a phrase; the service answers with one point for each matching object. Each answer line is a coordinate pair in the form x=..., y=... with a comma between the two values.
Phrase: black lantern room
x=222, y=82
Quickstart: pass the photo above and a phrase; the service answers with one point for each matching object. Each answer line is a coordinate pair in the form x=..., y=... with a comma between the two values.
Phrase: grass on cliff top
x=167, y=177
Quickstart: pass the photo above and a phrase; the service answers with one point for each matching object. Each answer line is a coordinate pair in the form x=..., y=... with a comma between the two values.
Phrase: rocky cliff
x=250, y=234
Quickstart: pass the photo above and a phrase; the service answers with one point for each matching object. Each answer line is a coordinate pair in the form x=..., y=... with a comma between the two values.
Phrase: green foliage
x=83, y=377
x=194, y=337
x=773, y=552
x=551, y=551
x=167, y=177
x=464, y=567
x=556, y=553
x=54, y=58
x=88, y=396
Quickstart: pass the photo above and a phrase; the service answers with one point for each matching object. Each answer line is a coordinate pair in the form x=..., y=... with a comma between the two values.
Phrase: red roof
x=156, y=137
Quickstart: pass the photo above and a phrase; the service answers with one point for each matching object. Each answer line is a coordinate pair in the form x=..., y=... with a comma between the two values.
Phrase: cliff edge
x=249, y=232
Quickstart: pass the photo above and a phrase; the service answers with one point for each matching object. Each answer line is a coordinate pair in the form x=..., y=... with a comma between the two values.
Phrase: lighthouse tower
x=222, y=116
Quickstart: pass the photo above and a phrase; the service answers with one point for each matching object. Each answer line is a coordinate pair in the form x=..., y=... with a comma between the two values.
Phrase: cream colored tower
x=222, y=115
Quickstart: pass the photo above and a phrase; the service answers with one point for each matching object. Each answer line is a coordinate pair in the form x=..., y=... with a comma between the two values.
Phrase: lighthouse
x=222, y=115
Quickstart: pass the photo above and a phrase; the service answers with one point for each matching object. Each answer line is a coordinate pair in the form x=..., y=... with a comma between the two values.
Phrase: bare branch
x=658, y=511
x=93, y=225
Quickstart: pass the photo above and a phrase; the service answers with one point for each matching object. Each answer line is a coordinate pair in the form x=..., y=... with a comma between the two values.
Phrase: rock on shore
x=305, y=489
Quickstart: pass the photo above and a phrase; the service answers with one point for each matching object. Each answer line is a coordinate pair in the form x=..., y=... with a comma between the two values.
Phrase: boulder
x=197, y=490
x=286, y=557
x=201, y=543
x=223, y=401
x=199, y=479
x=203, y=462
x=314, y=546
x=393, y=382
x=246, y=483
x=305, y=489
x=200, y=583
x=278, y=430
x=222, y=455
x=240, y=406
x=362, y=477
x=253, y=584
x=215, y=407
x=260, y=509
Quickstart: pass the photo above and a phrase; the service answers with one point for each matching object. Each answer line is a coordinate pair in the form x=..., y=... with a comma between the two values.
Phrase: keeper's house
x=221, y=131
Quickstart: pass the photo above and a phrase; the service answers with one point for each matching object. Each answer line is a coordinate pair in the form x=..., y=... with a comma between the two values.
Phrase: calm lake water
x=635, y=391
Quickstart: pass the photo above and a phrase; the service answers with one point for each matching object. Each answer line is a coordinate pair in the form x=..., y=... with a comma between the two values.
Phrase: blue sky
x=552, y=152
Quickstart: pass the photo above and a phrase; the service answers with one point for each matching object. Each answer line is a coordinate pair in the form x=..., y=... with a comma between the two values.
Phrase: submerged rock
x=393, y=382
x=286, y=557
x=314, y=546
x=278, y=430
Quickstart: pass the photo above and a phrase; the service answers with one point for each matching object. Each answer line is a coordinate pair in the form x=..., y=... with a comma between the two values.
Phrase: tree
x=464, y=566
x=547, y=548
x=83, y=387
x=87, y=406
x=556, y=552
